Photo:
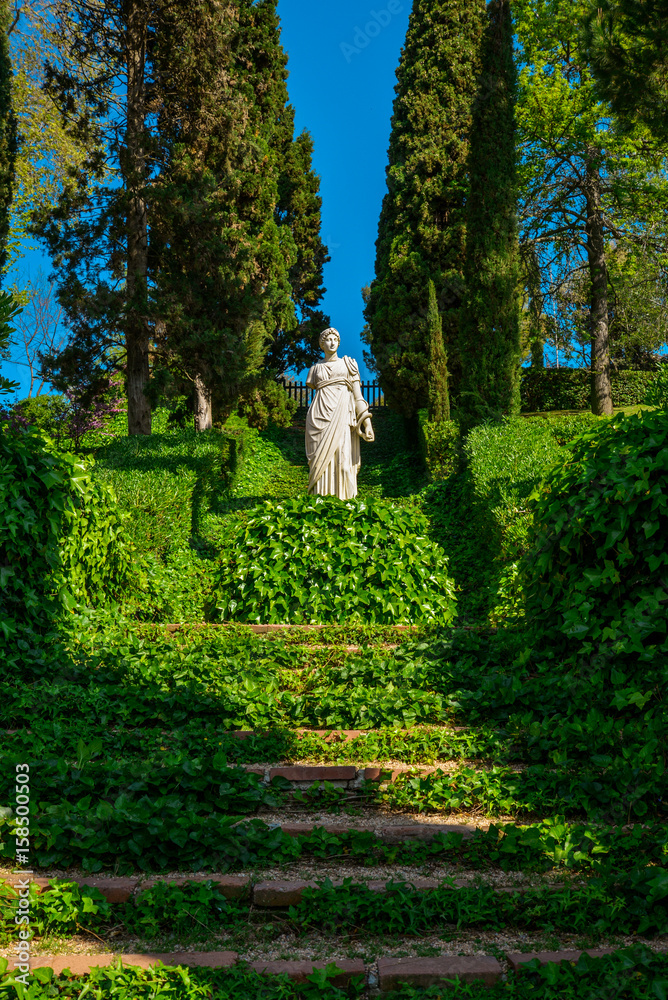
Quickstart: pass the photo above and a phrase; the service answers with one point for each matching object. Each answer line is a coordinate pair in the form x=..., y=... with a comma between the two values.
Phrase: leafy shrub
x=266, y=401
x=570, y=388
x=320, y=559
x=657, y=390
x=61, y=534
x=439, y=445
x=596, y=574
x=71, y=417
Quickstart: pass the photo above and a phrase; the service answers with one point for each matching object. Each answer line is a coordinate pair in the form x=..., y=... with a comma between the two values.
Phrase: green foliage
x=437, y=375
x=47, y=413
x=8, y=309
x=489, y=330
x=197, y=909
x=633, y=973
x=609, y=188
x=632, y=905
x=320, y=559
x=625, y=44
x=570, y=388
x=62, y=537
x=266, y=401
x=595, y=573
x=657, y=390
x=594, y=792
x=174, y=488
x=185, y=911
x=130, y=983
x=64, y=909
x=506, y=463
x=440, y=446
x=422, y=227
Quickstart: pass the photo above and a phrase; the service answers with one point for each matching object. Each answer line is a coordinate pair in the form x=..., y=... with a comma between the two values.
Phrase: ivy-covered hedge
x=596, y=572
x=61, y=533
x=569, y=388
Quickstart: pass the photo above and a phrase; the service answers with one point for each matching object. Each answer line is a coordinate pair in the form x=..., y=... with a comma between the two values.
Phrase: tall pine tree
x=490, y=319
x=100, y=80
x=626, y=43
x=422, y=228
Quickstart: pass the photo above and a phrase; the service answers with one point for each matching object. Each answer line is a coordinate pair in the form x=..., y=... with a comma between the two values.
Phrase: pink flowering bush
x=68, y=418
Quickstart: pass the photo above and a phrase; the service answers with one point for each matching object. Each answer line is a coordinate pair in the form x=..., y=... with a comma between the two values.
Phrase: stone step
x=350, y=777
x=264, y=893
x=386, y=974
x=516, y=959
x=392, y=972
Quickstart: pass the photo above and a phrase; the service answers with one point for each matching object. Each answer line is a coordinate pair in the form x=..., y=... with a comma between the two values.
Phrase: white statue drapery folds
x=337, y=418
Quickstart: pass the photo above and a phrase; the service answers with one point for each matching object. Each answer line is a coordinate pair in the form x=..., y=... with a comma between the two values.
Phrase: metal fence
x=371, y=391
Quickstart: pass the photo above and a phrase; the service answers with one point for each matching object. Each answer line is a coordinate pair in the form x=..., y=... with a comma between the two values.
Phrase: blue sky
x=343, y=59
x=342, y=63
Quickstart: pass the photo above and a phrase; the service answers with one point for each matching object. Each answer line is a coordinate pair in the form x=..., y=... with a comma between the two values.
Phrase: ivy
x=61, y=534
x=320, y=559
x=596, y=573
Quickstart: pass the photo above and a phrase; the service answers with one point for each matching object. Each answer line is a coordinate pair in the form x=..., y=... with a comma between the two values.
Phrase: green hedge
x=569, y=388
x=62, y=537
x=596, y=568
x=440, y=446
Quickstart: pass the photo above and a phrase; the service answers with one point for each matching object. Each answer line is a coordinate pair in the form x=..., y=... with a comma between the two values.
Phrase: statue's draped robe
x=332, y=441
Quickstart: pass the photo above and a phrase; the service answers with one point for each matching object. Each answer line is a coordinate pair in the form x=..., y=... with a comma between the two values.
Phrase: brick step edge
x=387, y=973
x=268, y=893
x=304, y=776
x=268, y=629
x=329, y=735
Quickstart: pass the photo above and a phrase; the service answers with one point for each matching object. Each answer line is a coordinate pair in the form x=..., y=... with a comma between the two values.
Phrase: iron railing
x=371, y=391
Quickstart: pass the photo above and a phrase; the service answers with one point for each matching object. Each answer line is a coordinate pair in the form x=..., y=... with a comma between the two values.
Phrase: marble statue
x=337, y=418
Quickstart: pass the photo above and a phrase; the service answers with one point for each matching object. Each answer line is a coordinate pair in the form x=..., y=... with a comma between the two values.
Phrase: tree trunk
x=203, y=411
x=134, y=168
x=601, y=388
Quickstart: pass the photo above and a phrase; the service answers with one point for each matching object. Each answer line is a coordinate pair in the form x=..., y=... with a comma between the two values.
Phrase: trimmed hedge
x=569, y=388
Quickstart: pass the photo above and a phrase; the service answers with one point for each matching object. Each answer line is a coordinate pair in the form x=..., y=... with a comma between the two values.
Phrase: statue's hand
x=367, y=431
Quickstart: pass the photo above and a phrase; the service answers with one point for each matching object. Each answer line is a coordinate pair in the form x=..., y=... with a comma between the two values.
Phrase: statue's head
x=329, y=332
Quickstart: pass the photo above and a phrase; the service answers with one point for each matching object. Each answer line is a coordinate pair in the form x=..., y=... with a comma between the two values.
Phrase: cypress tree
x=490, y=320
x=219, y=264
x=238, y=256
x=299, y=209
x=422, y=228
x=7, y=133
x=437, y=376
